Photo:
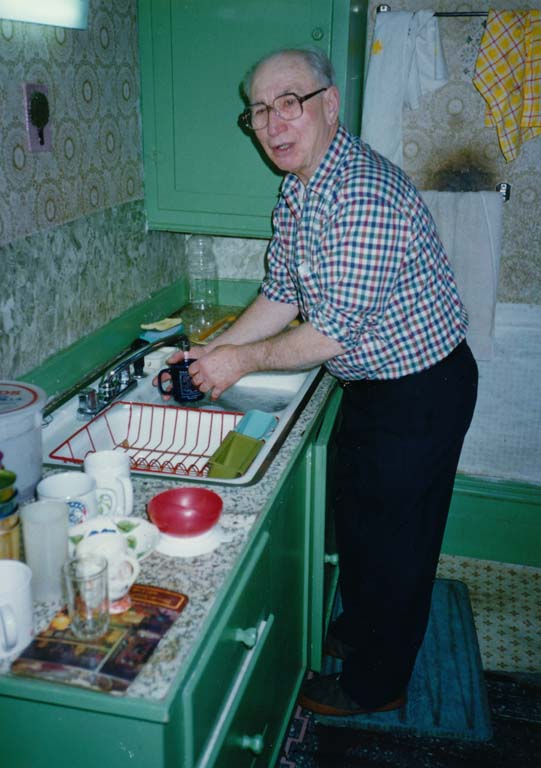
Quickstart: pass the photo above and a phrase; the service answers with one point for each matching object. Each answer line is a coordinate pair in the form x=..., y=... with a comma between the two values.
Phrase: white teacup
x=78, y=490
x=111, y=470
x=123, y=568
x=16, y=611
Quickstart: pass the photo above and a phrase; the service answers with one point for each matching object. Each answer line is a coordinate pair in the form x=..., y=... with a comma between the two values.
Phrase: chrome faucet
x=121, y=378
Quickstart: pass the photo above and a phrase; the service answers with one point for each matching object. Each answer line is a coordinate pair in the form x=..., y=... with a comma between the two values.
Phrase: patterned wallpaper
x=446, y=145
x=93, y=90
x=64, y=282
x=74, y=248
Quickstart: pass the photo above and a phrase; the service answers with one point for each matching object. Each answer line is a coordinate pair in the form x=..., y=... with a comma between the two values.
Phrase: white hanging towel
x=470, y=227
x=406, y=62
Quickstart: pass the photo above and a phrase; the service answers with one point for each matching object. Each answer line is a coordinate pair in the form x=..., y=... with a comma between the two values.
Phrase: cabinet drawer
x=250, y=725
x=227, y=649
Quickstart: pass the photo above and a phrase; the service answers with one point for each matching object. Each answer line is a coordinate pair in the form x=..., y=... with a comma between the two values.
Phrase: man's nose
x=275, y=124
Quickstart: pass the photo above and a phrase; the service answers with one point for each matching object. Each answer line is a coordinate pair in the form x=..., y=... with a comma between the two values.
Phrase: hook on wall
x=504, y=189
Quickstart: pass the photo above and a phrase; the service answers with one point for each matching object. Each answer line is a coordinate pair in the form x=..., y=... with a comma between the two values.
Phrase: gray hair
x=315, y=59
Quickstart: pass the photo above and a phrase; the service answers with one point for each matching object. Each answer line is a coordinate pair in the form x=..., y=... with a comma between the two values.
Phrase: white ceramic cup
x=78, y=490
x=123, y=568
x=45, y=536
x=111, y=470
x=16, y=611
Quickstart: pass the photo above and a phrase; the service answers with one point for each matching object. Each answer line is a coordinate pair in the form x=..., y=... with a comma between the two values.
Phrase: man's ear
x=332, y=103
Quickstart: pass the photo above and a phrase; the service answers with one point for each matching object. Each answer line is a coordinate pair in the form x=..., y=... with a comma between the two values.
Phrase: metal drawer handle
x=331, y=559
x=254, y=743
x=246, y=636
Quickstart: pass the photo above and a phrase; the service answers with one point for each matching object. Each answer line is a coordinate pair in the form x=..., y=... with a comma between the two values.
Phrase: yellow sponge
x=162, y=325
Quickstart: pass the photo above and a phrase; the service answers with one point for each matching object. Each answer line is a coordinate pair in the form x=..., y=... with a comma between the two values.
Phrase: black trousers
x=398, y=451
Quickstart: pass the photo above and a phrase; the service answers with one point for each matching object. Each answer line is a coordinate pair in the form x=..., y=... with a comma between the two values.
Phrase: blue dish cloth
x=257, y=424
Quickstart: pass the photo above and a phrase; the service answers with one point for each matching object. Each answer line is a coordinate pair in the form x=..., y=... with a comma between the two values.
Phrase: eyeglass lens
x=288, y=107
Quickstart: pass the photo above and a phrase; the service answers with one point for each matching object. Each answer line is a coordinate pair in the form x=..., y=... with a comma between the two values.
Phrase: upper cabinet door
x=202, y=172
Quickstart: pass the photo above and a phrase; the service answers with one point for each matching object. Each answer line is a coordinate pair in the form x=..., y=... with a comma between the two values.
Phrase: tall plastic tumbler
x=45, y=538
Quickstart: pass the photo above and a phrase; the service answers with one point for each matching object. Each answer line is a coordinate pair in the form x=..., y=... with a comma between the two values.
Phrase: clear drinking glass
x=87, y=596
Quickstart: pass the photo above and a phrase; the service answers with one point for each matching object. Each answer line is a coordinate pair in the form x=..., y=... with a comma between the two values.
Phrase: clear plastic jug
x=202, y=283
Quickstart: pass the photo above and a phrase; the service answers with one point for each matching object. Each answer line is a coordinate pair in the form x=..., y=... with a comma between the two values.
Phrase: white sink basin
x=165, y=438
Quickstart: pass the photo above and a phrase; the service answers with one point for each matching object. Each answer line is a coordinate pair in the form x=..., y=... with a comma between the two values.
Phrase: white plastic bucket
x=21, y=409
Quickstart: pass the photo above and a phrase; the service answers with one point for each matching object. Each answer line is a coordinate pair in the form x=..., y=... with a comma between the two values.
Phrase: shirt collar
x=324, y=178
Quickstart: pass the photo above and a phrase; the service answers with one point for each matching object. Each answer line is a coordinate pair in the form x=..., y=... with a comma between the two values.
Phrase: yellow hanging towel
x=508, y=76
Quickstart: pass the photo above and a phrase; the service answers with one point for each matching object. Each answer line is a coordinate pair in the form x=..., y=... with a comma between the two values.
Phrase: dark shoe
x=325, y=695
x=335, y=647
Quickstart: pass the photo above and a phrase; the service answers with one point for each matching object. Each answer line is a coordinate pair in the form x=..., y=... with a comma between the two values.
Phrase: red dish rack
x=158, y=438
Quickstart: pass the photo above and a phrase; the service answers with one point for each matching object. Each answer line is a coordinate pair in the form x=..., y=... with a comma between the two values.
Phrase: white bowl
x=192, y=546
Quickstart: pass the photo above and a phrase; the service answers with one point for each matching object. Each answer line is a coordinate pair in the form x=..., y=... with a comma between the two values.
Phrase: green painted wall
x=495, y=520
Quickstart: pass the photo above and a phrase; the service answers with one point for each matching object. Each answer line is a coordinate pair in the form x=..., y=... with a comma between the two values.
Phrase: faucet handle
x=139, y=364
x=88, y=403
x=109, y=389
x=124, y=376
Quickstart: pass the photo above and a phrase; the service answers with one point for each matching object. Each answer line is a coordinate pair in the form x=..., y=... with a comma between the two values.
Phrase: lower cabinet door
x=324, y=566
x=228, y=651
x=252, y=717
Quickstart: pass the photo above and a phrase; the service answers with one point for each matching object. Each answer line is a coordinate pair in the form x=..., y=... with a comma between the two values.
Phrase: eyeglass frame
x=245, y=115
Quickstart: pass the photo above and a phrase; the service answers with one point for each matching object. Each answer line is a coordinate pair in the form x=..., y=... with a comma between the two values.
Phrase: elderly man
x=355, y=252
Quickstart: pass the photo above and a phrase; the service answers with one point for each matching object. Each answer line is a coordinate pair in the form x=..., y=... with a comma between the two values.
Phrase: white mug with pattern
x=80, y=493
x=111, y=470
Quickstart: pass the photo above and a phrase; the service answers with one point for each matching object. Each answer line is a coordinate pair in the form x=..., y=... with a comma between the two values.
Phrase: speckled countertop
x=201, y=578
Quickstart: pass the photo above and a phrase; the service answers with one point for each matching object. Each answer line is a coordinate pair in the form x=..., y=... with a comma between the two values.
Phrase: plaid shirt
x=357, y=251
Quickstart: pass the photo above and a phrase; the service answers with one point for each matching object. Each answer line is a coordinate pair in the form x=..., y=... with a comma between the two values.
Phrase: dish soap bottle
x=202, y=284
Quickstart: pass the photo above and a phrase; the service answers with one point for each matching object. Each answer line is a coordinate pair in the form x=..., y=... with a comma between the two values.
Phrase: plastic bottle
x=202, y=282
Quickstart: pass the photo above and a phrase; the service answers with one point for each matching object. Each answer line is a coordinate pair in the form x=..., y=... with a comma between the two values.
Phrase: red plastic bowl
x=185, y=511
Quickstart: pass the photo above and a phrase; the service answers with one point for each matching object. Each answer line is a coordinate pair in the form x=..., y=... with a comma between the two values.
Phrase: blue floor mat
x=446, y=696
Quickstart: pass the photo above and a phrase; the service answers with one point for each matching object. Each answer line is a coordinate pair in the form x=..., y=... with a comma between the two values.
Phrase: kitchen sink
x=168, y=439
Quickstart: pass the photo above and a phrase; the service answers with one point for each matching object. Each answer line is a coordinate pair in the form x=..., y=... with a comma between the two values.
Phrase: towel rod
x=385, y=8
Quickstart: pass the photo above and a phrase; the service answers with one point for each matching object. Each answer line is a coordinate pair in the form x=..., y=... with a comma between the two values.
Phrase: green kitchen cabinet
x=231, y=702
x=203, y=173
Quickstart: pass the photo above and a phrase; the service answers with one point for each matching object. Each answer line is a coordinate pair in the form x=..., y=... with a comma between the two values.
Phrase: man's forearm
x=263, y=318
x=295, y=349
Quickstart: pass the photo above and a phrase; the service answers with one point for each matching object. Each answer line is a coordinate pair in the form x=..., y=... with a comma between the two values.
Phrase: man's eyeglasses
x=288, y=107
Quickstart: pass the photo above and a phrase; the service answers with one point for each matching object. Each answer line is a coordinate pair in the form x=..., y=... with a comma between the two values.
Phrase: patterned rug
x=515, y=706
x=506, y=601
x=447, y=693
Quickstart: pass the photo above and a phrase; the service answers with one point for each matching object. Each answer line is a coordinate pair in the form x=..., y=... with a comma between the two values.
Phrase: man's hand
x=218, y=369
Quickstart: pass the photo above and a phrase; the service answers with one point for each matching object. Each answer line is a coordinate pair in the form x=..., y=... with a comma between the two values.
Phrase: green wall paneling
x=67, y=368
x=495, y=520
